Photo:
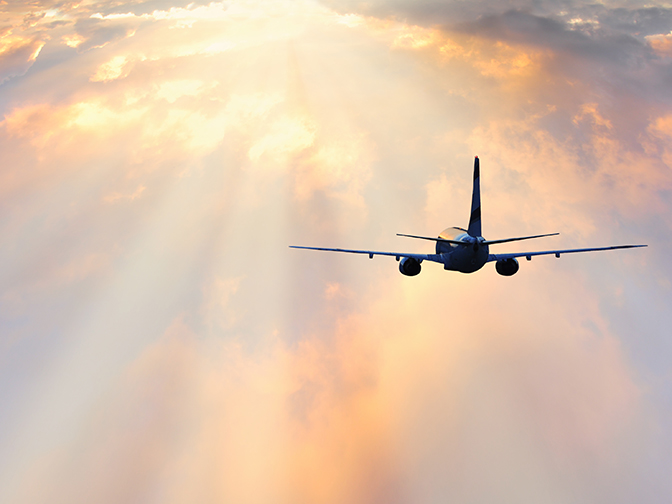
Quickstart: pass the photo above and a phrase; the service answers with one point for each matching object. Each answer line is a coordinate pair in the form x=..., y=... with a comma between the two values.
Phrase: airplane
x=465, y=250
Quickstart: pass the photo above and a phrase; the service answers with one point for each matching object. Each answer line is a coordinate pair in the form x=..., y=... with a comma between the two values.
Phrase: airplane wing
x=371, y=253
x=528, y=255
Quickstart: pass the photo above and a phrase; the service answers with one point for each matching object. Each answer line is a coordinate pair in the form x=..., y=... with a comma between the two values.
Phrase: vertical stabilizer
x=475, y=218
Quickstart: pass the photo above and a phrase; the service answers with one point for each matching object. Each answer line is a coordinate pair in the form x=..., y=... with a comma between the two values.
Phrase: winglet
x=475, y=217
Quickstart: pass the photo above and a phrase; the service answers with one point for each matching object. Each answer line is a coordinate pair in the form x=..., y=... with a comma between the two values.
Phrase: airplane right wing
x=557, y=253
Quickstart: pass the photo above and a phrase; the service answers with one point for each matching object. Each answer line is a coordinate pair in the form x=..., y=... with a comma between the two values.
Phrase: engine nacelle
x=507, y=267
x=409, y=266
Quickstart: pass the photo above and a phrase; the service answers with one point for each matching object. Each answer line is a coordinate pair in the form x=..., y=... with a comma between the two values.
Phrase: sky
x=159, y=341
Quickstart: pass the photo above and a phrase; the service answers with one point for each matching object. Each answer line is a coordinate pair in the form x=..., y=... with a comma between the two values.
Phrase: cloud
x=17, y=55
x=380, y=407
x=587, y=41
x=111, y=70
x=161, y=341
x=634, y=18
x=147, y=7
x=97, y=33
x=277, y=417
x=111, y=198
x=662, y=44
x=540, y=31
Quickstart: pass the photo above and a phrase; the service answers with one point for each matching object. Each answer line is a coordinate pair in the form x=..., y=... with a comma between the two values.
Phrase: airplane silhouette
x=465, y=250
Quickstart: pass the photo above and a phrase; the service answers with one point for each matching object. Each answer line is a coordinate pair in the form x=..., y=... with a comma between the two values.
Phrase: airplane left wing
x=557, y=253
x=418, y=257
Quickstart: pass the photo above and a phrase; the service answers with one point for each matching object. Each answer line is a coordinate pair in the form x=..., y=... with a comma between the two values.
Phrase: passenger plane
x=465, y=250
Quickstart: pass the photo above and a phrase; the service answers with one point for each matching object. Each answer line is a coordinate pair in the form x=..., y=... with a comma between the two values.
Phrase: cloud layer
x=159, y=341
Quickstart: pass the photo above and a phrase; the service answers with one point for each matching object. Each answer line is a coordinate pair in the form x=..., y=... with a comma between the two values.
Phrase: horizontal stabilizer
x=485, y=242
x=455, y=242
x=506, y=240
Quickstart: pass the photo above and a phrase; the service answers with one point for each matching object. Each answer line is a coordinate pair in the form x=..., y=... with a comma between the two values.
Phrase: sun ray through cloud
x=159, y=341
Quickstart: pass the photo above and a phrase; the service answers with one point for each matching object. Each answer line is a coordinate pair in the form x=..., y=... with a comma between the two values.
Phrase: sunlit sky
x=159, y=341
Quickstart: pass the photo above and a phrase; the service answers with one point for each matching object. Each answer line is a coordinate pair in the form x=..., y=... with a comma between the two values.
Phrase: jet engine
x=507, y=267
x=409, y=266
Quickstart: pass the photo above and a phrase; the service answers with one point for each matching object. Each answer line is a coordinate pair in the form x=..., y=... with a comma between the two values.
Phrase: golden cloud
x=351, y=412
x=661, y=44
x=420, y=386
x=17, y=54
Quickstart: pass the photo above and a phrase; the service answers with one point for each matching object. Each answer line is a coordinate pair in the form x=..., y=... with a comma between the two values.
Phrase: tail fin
x=475, y=219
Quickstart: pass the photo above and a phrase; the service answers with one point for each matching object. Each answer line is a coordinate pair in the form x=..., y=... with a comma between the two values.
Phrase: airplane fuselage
x=466, y=258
